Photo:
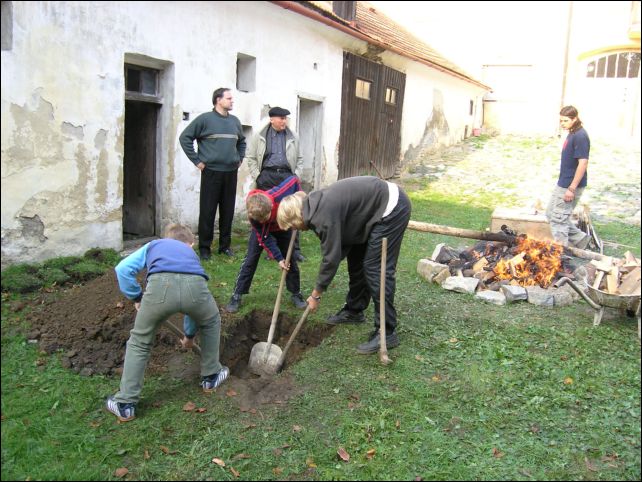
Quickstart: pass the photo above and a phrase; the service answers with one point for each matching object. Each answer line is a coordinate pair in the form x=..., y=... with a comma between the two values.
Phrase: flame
x=537, y=263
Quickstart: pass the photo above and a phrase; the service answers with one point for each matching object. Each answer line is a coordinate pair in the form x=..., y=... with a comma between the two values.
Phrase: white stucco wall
x=63, y=106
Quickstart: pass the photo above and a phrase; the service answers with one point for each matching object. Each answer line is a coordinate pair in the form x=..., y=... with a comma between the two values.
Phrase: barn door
x=372, y=99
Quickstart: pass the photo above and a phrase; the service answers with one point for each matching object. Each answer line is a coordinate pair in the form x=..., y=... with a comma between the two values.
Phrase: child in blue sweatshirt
x=176, y=283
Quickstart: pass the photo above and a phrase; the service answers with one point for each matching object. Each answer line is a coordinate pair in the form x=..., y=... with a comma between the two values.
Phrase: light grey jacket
x=257, y=146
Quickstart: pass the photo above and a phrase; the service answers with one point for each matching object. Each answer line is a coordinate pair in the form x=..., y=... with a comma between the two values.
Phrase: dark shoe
x=233, y=305
x=299, y=257
x=372, y=345
x=211, y=382
x=298, y=301
x=124, y=411
x=204, y=253
x=227, y=252
x=346, y=316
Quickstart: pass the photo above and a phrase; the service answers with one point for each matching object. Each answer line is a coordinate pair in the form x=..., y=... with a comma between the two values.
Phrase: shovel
x=274, y=369
x=264, y=356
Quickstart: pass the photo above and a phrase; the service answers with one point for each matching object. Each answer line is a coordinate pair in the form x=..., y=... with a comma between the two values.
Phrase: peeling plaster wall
x=436, y=110
x=63, y=106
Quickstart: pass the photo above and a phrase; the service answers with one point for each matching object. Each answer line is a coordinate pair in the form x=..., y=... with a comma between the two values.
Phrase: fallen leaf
x=568, y=381
x=218, y=462
x=370, y=453
x=189, y=406
x=589, y=465
x=564, y=358
x=310, y=463
x=497, y=454
x=535, y=428
x=91, y=424
x=146, y=455
x=296, y=428
x=398, y=424
x=121, y=472
x=453, y=340
x=355, y=396
x=120, y=304
x=345, y=456
x=235, y=472
x=249, y=425
x=609, y=457
x=419, y=358
x=167, y=451
x=525, y=473
x=241, y=456
x=277, y=452
x=201, y=410
x=285, y=446
x=277, y=470
x=435, y=378
x=231, y=393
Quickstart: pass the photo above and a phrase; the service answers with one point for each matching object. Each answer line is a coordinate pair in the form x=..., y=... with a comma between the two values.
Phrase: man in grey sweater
x=351, y=217
x=221, y=148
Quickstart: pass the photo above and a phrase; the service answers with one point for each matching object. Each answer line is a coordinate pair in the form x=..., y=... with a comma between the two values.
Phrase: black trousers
x=251, y=261
x=364, y=265
x=218, y=190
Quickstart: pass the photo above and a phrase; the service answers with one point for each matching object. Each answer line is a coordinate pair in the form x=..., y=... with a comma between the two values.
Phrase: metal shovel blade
x=259, y=363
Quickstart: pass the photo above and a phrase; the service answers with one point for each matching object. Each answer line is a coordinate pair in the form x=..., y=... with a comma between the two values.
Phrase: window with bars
x=391, y=95
x=141, y=80
x=617, y=65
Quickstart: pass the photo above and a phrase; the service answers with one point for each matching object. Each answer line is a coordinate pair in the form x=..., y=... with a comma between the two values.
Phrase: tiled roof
x=382, y=30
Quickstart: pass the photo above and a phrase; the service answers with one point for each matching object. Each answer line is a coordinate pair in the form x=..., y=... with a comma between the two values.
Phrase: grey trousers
x=559, y=214
x=166, y=294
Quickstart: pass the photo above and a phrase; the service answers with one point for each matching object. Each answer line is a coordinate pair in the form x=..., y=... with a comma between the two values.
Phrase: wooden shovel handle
x=277, y=304
x=297, y=328
x=383, y=349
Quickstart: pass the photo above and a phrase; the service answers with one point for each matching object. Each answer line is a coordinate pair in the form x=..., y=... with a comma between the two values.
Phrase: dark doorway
x=371, y=108
x=139, y=184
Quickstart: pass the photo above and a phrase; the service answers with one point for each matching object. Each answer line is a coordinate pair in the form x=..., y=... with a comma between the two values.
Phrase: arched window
x=617, y=65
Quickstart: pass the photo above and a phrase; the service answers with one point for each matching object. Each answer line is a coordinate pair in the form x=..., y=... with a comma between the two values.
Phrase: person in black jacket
x=351, y=217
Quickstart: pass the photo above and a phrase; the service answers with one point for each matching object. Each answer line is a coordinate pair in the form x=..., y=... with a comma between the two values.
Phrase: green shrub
x=85, y=270
x=60, y=263
x=20, y=278
x=107, y=257
x=50, y=275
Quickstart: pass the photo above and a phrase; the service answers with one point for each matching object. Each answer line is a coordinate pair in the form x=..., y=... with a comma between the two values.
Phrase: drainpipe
x=306, y=12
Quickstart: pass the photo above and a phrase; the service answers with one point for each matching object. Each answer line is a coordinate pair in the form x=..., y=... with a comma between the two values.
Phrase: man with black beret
x=273, y=155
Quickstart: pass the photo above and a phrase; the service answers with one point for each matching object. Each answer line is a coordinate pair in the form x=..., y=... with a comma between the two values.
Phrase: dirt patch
x=89, y=325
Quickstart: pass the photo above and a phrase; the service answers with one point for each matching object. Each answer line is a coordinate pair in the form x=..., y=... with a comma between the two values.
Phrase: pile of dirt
x=89, y=325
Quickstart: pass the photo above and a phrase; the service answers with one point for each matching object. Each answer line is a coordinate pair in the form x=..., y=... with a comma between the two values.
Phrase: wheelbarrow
x=599, y=300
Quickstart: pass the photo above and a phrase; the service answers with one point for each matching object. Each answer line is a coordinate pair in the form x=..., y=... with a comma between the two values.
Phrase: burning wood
x=513, y=262
x=527, y=263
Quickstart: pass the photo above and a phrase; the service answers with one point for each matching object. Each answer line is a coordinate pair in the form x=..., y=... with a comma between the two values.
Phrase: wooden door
x=371, y=109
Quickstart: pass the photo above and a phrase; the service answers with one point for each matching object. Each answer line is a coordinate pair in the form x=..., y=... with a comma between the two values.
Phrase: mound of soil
x=90, y=326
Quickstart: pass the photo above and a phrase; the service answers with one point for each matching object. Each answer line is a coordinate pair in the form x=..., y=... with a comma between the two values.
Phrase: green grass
x=476, y=391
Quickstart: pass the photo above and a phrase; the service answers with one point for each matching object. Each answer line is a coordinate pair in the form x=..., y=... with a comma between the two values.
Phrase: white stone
x=489, y=296
x=460, y=284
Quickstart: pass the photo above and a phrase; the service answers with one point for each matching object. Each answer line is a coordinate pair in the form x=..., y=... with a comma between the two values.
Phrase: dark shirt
x=576, y=146
x=275, y=150
x=343, y=215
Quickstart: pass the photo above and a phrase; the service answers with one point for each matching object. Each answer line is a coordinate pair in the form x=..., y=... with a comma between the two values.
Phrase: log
x=488, y=236
x=458, y=232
